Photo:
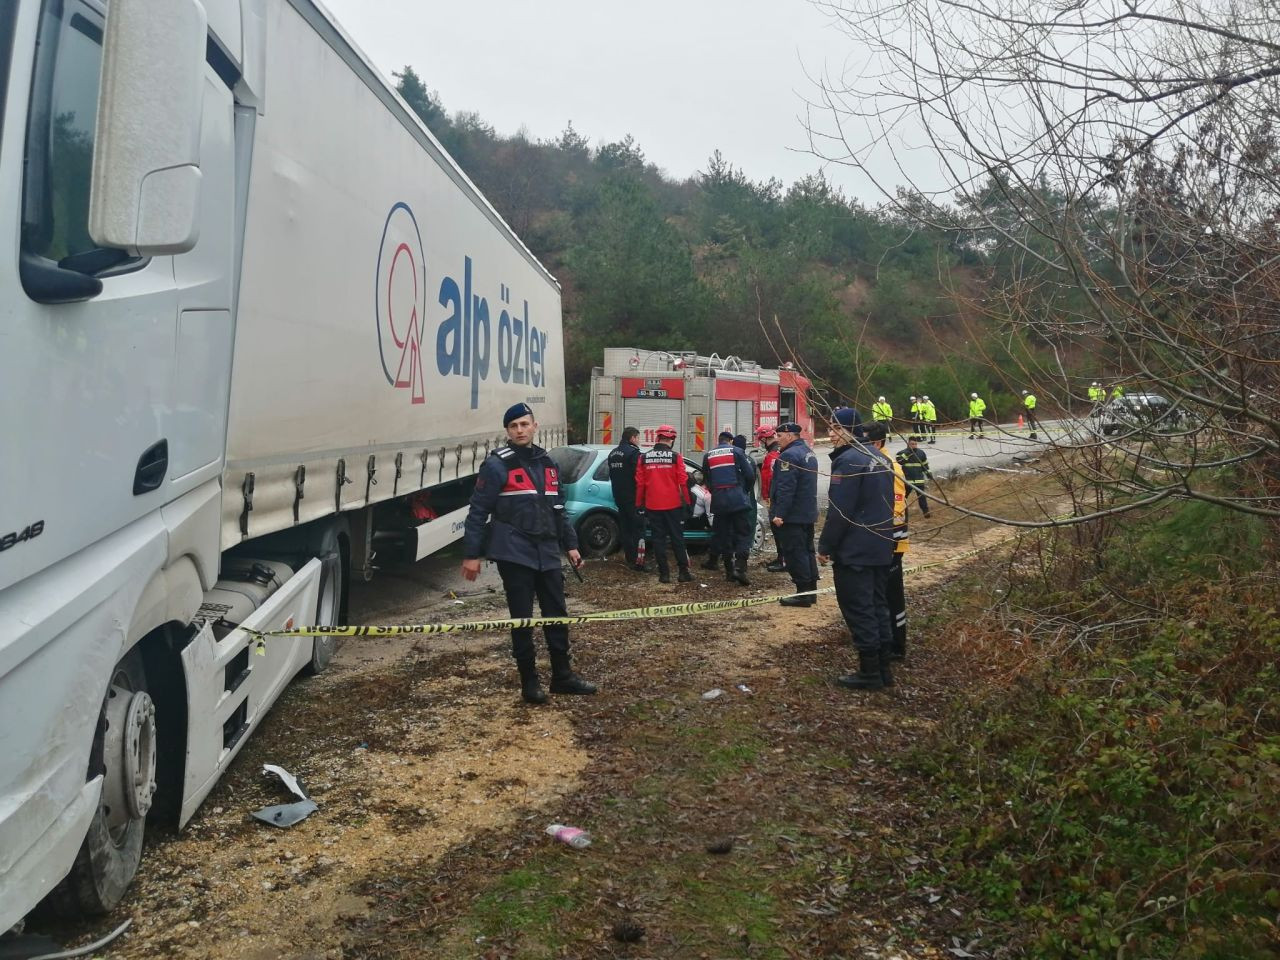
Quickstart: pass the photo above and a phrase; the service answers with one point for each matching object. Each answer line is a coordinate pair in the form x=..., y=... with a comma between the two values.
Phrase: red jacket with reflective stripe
x=661, y=480
x=766, y=473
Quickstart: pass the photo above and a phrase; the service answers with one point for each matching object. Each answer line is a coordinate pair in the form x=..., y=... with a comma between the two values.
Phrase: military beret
x=515, y=412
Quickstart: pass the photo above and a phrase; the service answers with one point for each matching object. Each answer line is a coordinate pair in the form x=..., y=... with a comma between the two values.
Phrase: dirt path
x=434, y=781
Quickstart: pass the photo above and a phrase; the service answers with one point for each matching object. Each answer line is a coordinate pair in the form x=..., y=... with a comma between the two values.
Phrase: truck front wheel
x=124, y=753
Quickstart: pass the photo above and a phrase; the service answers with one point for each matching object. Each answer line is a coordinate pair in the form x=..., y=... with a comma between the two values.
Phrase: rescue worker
x=880, y=410
x=731, y=476
x=767, y=437
x=1117, y=392
x=977, y=407
x=662, y=493
x=622, y=478
x=857, y=540
x=793, y=511
x=915, y=470
x=931, y=419
x=917, y=415
x=518, y=503
x=1029, y=403
x=895, y=588
x=1097, y=394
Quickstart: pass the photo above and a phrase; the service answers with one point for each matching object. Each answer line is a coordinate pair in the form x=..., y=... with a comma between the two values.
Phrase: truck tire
x=331, y=607
x=124, y=752
x=598, y=535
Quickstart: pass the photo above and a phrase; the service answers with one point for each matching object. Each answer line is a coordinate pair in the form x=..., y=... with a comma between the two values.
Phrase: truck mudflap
x=230, y=688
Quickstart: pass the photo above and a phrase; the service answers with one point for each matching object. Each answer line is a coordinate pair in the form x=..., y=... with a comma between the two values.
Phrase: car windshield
x=572, y=462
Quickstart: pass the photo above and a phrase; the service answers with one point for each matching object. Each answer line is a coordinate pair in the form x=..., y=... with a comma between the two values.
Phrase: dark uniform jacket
x=731, y=477
x=915, y=465
x=622, y=474
x=859, y=527
x=795, y=485
x=520, y=490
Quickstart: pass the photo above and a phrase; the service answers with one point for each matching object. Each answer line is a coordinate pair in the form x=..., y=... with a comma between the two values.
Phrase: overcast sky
x=684, y=77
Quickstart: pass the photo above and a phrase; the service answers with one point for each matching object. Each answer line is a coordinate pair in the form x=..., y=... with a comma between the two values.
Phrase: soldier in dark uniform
x=857, y=540
x=793, y=510
x=519, y=488
x=622, y=478
x=731, y=477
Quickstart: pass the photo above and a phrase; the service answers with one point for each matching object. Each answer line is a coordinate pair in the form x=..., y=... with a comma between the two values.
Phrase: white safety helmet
x=1024, y=393
x=925, y=397
x=974, y=395
x=880, y=399
x=1096, y=383
x=913, y=397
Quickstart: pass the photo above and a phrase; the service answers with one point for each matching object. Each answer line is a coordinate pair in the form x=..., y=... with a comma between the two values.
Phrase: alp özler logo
x=401, y=301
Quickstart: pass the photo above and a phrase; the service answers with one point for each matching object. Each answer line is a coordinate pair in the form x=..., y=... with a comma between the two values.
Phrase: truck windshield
x=60, y=130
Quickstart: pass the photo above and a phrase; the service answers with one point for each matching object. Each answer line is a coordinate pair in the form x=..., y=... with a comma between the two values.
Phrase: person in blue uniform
x=518, y=508
x=731, y=478
x=857, y=540
x=793, y=510
x=622, y=479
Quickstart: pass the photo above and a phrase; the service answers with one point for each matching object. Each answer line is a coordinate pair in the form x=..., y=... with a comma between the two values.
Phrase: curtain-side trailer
x=255, y=326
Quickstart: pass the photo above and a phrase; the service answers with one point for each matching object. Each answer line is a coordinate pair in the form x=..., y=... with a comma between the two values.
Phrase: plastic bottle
x=571, y=835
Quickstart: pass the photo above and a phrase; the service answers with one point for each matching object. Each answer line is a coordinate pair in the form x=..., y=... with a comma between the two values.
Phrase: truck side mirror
x=145, y=193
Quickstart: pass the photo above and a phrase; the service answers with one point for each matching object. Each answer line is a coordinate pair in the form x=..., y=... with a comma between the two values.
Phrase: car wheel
x=598, y=535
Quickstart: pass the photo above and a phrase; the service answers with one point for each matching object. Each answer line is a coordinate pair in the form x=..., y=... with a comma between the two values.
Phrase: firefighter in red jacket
x=768, y=438
x=662, y=493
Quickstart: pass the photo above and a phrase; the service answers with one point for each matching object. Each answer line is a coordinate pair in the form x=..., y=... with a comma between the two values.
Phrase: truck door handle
x=152, y=466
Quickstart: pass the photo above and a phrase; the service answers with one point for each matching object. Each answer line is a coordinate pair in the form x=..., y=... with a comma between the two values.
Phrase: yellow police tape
x=634, y=613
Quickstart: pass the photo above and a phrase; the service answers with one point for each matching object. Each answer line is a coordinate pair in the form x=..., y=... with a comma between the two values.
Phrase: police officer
x=622, y=478
x=519, y=504
x=881, y=410
x=1029, y=403
x=793, y=510
x=915, y=470
x=731, y=477
x=931, y=418
x=917, y=415
x=977, y=409
x=662, y=493
x=857, y=540
x=1097, y=394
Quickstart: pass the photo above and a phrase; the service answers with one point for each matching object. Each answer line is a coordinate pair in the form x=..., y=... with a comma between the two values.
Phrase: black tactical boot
x=711, y=562
x=808, y=601
x=886, y=675
x=740, y=570
x=685, y=575
x=776, y=566
x=564, y=680
x=728, y=569
x=664, y=571
x=898, y=651
x=868, y=675
x=530, y=687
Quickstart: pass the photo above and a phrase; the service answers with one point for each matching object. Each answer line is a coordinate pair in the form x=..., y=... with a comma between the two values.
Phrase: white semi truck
x=256, y=328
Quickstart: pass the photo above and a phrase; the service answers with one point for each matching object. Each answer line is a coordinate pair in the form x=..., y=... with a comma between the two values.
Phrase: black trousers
x=862, y=593
x=975, y=424
x=924, y=501
x=630, y=529
x=667, y=526
x=731, y=532
x=521, y=585
x=1032, y=422
x=795, y=546
x=896, y=593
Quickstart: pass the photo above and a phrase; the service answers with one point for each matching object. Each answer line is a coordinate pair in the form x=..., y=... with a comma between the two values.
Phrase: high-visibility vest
x=1117, y=391
x=977, y=407
x=1097, y=394
x=1029, y=401
x=930, y=411
x=881, y=411
x=917, y=411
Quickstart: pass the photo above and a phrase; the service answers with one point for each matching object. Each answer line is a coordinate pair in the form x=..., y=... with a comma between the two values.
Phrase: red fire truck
x=699, y=396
